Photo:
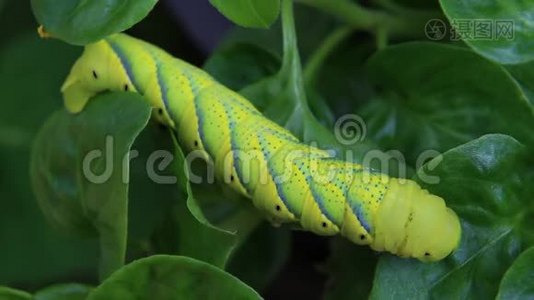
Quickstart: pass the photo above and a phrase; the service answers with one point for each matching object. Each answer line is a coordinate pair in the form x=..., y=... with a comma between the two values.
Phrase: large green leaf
x=240, y=64
x=217, y=226
x=404, y=4
x=12, y=294
x=222, y=216
x=81, y=22
x=183, y=234
x=159, y=220
x=350, y=268
x=434, y=96
x=32, y=254
x=518, y=282
x=152, y=189
x=524, y=74
x=195, y=232
x=171, y=277
x=342, y=79
x=249, y=13
x=80, y=173
x=65, y=291
x=261, y=257
x=486, y=183
x=509, y=39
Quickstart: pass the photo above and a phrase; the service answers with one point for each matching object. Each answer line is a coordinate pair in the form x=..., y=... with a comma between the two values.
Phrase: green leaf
x=171, y=277
x=189, y=231
x=342, y=78
x=200, y=239
x=159, y=220
x=524, y=74
x=79, y=171
x=152, y=189
x=32, y=254
x=249, y=13
x=195, y=210
x=469, y=17
x=261, y=257
x=396, y=5
x=518, y=282
x=183, y=234
x=238, y=65
x=432, y=96
x=82, y=22
x=485, y=182
x=350, y=268
x=65, y=291
x=12, y=294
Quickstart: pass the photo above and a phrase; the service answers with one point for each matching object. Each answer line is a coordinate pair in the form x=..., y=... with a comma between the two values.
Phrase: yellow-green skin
x=287, y=180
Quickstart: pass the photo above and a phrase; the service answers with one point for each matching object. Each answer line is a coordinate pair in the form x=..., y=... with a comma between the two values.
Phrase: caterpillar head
x=97, y=70
x=414, y=223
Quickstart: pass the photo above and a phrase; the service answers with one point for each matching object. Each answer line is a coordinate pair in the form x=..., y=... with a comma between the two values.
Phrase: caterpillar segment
x=285, y=179
x=268, y=195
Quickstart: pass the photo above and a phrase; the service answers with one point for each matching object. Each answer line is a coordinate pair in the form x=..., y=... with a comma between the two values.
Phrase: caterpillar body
x=285, y=179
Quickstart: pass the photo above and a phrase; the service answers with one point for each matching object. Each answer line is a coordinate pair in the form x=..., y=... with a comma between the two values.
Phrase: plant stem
x=316, y=61
x=392, y=6
x=403, y=24
x=289, y=35
x=291, y=67
x=381, y=37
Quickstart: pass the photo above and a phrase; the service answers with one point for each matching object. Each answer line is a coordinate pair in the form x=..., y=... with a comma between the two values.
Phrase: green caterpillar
x=284, y=178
